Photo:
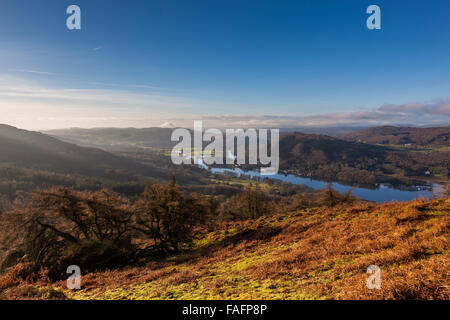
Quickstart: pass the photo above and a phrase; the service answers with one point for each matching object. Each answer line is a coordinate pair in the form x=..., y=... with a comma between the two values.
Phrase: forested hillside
x=324, y=157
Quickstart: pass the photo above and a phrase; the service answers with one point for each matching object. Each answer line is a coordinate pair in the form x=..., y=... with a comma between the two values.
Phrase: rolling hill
x=359, y=163
x=299, y=148
x=34, y=150
x=117, y=139
x=389, y=135
x=347, y=159
x=292, y=144
x=328, y=158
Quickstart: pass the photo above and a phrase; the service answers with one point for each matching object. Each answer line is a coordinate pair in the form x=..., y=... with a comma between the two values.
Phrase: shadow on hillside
x=260, y=234
x=264, y=234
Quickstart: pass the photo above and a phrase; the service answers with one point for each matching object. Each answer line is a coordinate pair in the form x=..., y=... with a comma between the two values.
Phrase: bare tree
x=168, y=216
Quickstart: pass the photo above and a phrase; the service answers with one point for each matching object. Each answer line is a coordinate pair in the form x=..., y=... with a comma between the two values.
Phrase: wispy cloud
x=117, y=85
x=142, y=86
x=38, y=72
x=97, y=48
x=438, y=108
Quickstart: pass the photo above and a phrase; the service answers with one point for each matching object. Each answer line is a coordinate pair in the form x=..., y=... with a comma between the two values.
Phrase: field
x=320, y=253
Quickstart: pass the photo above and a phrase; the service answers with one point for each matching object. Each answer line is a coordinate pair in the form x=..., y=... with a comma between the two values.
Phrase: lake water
x=384, y=193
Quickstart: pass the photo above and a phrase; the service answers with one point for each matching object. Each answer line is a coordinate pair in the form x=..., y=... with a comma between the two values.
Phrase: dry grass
x=311, y=254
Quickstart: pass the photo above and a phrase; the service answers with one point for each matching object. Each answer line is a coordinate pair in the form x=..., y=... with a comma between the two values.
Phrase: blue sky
x=235, y=63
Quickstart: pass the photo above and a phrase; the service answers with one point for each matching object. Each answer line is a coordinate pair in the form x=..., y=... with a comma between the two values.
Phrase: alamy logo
x=374, y=279
x=235, y=151
x=74, y=281
x=74, y=20
x=374, y=21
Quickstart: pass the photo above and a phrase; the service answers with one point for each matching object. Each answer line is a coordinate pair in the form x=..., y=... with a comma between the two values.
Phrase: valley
x=341, y=159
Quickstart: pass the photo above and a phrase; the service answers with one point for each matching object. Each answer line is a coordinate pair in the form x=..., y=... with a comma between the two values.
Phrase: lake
x=384, y=192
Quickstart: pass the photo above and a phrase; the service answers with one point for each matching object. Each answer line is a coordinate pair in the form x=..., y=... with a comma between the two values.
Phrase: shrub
x=61, y=227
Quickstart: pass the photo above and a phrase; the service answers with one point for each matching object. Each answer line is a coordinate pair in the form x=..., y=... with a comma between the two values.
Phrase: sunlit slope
x=309, y=254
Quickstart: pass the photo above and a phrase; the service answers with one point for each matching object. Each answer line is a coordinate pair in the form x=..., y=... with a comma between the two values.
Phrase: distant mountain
x=131, y=139
x=330, y=131
x=167, y=125
x=117, y=139
x=35, y=150
x=439, y=136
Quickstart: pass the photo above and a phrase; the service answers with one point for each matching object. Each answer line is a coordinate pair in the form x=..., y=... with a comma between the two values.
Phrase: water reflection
x=384, y=192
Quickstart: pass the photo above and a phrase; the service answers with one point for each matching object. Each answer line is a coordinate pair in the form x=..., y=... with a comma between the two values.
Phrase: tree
x=331, y=197
x=59, y=226
x=250, y=204
x=168, y=216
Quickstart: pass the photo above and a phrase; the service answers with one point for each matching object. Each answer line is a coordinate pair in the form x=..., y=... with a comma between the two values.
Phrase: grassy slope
x=310, y=254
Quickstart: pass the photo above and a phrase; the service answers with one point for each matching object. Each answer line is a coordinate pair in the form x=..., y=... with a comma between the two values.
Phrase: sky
x=234, y=63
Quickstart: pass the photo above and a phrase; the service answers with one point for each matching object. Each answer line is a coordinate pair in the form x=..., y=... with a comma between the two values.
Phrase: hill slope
x=35, y=150
x=310, y=254
x=303, y=148
x=328, y=158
